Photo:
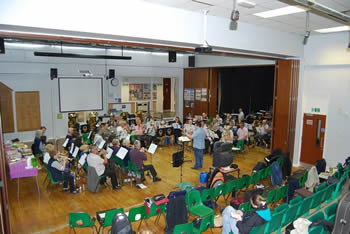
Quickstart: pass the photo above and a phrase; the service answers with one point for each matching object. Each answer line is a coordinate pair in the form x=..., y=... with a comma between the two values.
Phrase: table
x=18, y=170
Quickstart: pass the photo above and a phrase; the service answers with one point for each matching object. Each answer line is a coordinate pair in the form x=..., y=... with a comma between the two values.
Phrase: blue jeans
x=167, y=140
x=198, y=154
x=229, y=223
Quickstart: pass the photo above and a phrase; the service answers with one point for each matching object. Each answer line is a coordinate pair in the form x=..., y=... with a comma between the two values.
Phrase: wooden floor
x=48, y=213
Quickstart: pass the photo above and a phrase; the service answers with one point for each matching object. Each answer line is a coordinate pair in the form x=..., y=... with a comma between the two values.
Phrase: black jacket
x=249, y=220
x=176, y=213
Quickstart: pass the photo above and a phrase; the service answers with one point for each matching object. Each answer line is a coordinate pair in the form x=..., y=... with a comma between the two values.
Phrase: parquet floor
x=48, y=213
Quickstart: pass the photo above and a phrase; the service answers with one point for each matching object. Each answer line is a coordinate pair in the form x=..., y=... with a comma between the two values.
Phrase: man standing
x=94, y=160
x=198, y=145
x=137, y=156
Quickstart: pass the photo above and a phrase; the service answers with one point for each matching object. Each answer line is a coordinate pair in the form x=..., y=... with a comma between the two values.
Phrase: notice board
x=28, y=110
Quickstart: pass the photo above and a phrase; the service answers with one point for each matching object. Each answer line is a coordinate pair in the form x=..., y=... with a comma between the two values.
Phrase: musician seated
x=58, y=172
x=242, y=133
x=115, y=146
x=126, y=144
x=228, y=118
x=227, y=137
x=204, y=116
x=189, y=116
x=167, y=139
x=151, y=131
x=137, y=156
x=189, y=127
x=122, y=131
x=177, y=129
x=94, y=160
x=139, y=132
x=218, y=119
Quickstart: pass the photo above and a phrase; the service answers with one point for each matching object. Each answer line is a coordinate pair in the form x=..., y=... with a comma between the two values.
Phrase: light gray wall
x=22, y=71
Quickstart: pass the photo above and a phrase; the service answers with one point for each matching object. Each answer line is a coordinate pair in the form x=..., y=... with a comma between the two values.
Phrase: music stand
x=178, y=161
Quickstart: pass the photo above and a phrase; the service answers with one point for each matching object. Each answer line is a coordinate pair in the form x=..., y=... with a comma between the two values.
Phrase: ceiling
x=294, y=23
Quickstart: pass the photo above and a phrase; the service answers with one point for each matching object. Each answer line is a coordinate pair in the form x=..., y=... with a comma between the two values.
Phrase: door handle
x=321, y=144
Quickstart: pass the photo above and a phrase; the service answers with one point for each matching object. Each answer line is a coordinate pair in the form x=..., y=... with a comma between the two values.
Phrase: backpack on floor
x=215, y=177
x=121, y=224
x=342, y=217
x=321, y=166
x=259, y=166
x=276, y=175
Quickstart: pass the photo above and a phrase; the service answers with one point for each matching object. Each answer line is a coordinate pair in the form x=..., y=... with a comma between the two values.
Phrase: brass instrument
x=72, y=120
x=92, y=116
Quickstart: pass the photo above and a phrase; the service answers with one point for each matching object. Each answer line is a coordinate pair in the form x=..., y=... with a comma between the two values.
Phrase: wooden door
x=4, y=201
x=314, y=128
x=166, y=94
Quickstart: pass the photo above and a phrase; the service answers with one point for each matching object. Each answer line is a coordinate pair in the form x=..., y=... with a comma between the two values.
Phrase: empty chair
x=330, y=212
x=320, y=187
x=258, y=229
x=317, y=199
x=228, y=188
x=295, y=200
x=137, y=214
x=183, y=228
x=328, y=194
x=195, y=205
x=314, y=218
x=282, y=207
x=81, y=220
x=275, y=222
x=207, y=222
x=304, y=207
x=290, y=214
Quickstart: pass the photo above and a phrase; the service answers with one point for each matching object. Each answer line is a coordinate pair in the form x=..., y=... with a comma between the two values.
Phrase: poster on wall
x=198, y=94
x=146, y=91
x=191, y=94
x=204, y=95
x=187, y=95
x=135, y=92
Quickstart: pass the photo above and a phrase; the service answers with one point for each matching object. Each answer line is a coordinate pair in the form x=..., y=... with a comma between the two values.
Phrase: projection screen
x=80, y=94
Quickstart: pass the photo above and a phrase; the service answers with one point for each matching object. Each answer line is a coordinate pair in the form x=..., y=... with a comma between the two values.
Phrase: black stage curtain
x=248, y=87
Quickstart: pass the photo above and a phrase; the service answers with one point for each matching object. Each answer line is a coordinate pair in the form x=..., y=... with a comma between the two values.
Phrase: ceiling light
x=333, y=29
x=280, y=11
x=246, y=4
x=87, y=56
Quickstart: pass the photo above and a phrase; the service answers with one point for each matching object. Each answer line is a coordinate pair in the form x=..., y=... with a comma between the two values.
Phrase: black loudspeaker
x=178, y=159
x=53, y=73
x=2, y=46
x=172, y=56
x=191, y=61
x=111, y=73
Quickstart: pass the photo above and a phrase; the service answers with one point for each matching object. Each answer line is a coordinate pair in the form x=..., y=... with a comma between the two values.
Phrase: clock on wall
x=114, y=82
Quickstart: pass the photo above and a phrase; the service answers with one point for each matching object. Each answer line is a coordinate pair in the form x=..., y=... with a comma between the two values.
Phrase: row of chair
x=299, y=207
x=136, y=214
x=330, y=217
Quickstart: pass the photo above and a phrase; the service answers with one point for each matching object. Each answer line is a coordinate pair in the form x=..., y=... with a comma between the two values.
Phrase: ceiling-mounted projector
x=203, y=49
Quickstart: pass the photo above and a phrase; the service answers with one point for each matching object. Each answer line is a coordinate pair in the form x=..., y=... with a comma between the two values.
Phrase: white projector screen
x=80, y=94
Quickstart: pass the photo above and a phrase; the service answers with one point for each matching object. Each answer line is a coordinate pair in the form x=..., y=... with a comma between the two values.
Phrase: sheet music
x=122, y=153
x=71, y=148
x=152, y=148
x=102, y=143
x=109, y=152
x=82, y=159
x=184, y=139
x=176, y=125
x=75, y=152
x=89, y=134
x=46, y=158
x=65, y=143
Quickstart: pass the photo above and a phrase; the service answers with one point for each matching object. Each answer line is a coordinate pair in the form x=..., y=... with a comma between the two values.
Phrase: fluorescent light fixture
x=280, y=11
x=333, y=29
x=246, y=4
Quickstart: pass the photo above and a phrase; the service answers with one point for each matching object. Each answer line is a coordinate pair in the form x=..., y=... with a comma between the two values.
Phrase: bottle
x=34, y=162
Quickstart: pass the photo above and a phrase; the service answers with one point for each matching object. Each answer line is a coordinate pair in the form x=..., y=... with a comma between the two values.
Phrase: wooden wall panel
x=28, y=110
x=6, y=109
x=285, y=105
x=213, y=91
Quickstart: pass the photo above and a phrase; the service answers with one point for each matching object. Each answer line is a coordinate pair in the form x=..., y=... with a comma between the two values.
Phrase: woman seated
x=238, y=223
x=38, y=147
x=139, y=132
x=58, y=172
x=227, y=137
x=177, y=129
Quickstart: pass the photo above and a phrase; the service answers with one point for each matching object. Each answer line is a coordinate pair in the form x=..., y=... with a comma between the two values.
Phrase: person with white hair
x=38, y=147
x=137, y=156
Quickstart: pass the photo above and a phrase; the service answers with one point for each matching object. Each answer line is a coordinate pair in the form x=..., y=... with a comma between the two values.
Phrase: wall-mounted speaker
x=191, y=61
x=2, y=46
x=111, y=73
x=53, y=73
x=172, y=56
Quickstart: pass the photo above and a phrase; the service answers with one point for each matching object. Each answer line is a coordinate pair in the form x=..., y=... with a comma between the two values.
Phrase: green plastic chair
x=137, y=214
x=240, y=145
x=228, y=188
x=282, y=207
x=51, y=180
x=302, y=179
x=275, y=222
x=254, y=178
x=317, y=199
x=207, y=195
x=284, y=191
x=135, y=173
x=268, y=171
x=271, y=196
x=84, y=218
x=296, y=200
x=218, y=191
x=338, y=188
x=261, y=175
x=195, y=205
x=330, y=212
x=207, y=222
x=320, y=187
x=304, y=207
x=156, y=210
x=258, y=229
x=316, y=230
x=243, y=182
x=109, y=218
x=280, y=160
x=316, y=216
x=186, y=228
x=245, y=207
x=328, y=195
x=289, y=215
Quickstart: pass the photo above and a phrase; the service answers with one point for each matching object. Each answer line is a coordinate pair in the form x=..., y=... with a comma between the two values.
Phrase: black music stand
x=178, y=161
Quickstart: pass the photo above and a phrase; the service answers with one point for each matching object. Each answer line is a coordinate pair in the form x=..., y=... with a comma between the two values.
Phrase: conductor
x=198, y=138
